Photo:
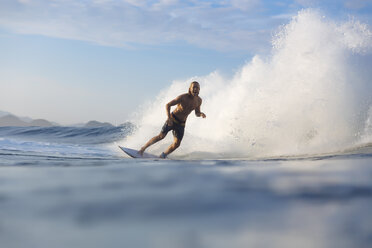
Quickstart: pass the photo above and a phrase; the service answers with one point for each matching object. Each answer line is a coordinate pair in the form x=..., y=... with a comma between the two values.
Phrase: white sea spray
x=311, y=95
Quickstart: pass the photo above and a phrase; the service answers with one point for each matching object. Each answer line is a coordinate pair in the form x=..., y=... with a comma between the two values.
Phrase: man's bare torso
x=186, y=105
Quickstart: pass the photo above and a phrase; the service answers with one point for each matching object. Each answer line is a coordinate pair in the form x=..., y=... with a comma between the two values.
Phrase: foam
x=310, y=95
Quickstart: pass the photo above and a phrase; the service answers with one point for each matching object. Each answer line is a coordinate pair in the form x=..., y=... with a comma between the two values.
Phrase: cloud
x=357, y=4
x=24, y=1
x=164, y=3
x=245, y=4
x=214, y=24
x=307, y=3
x=211, y=24
x=348, y=4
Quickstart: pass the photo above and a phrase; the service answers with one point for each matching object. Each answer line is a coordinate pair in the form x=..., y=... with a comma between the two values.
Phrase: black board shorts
x=177, y=128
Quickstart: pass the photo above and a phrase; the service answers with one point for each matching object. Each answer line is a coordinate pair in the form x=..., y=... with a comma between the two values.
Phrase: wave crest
x=311, y=95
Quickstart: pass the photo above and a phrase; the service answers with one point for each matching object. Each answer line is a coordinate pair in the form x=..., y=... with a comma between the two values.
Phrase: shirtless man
x=186, y=103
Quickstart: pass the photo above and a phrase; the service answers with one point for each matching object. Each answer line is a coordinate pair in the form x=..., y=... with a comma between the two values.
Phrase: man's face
x=195, y=89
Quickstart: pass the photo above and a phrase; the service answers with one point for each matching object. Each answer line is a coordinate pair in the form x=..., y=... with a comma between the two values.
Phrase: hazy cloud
x=212, y=24
x=357, y=4
x=349, y=4
x=215, y=24
x=245, y=4
x=307, y=3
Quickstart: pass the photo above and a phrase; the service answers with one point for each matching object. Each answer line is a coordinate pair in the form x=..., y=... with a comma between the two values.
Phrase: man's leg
x=151, y=142
x=172, y=147
x=178, y=132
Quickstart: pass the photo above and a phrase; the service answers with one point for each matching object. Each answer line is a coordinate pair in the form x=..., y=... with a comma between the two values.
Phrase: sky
x=72, y=61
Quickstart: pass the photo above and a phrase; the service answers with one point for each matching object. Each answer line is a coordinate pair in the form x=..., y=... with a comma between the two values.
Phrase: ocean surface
x=72, y=187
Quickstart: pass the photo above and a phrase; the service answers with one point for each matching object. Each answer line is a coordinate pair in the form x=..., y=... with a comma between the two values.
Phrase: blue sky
x=74, y=61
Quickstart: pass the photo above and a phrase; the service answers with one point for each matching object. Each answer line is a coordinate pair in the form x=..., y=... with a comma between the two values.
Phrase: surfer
x=176, y=121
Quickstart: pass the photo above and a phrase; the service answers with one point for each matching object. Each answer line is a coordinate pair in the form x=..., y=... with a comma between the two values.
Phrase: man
x=186, y=103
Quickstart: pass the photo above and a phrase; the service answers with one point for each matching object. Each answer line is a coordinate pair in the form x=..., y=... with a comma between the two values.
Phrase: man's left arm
x=198, y=113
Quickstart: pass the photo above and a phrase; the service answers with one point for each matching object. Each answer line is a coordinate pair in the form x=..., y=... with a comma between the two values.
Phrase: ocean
x=283, y=159
x=68, y=186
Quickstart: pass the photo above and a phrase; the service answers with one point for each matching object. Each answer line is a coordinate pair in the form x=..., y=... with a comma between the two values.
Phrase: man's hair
x=194, y=82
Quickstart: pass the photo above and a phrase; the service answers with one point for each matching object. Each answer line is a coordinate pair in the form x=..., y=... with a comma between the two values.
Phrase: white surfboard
x=134, y=153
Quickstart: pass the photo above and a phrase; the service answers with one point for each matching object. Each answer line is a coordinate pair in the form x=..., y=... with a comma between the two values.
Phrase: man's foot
x=141, y=151
x=163, y=155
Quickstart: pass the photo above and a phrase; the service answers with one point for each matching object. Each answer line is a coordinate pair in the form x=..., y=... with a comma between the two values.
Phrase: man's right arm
x=168, y=106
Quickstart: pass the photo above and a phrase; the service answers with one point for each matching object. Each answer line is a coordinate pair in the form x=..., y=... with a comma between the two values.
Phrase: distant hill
x=12, y=120
x=8, y=119
x=25, y=119
x=98, y=124
x=41, y=123
x=3, y=113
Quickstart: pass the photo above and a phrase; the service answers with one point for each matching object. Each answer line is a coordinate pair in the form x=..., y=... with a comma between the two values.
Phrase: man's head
x=194, y=89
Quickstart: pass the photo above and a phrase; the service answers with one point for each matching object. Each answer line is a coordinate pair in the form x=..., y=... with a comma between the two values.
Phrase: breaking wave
x=311, y=95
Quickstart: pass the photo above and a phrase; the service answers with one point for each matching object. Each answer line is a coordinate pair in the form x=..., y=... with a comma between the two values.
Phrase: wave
x=311, y=95
x=20, y=148
x=64, y=142
x=72, y=135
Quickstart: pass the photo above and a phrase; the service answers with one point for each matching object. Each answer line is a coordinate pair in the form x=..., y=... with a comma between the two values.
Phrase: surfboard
x=134, y=153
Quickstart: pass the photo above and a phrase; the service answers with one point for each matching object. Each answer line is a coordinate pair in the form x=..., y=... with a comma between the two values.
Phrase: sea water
x=283, y=159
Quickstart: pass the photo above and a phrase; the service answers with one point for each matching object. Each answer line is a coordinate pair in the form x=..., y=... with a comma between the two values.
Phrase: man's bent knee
x=161, y=136
x=177, y=143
